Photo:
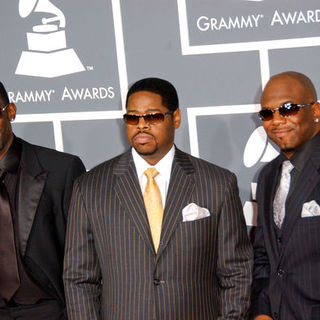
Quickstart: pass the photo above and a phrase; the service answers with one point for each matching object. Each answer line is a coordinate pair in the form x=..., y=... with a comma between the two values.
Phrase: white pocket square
x=310, y=209
x=193, y=212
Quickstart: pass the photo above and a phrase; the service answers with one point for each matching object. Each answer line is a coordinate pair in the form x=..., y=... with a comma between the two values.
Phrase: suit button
x=156, y=282
x=279, y=240
x=281, y=273
x=275, y=315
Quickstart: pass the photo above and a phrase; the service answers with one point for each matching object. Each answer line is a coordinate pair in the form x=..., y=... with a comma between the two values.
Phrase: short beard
x=147, y=153
x=287, y=150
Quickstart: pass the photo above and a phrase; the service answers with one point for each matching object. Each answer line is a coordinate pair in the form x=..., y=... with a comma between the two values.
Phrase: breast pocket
x=309, y=221
x=315, y=312
x=200, y=233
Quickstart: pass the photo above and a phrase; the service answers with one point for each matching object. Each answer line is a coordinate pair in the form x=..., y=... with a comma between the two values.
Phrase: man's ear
x=176, y=118
x=11, y=111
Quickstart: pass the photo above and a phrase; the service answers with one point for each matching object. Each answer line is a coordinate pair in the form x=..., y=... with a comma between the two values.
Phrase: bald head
x=298, y=83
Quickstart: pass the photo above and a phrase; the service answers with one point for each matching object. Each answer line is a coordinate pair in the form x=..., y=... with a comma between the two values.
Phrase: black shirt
x=29, y=292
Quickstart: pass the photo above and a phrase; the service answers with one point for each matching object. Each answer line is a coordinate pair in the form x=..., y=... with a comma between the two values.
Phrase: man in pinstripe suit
x=201, y=267
x=286, y=281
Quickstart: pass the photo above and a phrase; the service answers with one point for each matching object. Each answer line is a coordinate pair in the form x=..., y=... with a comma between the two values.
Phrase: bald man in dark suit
x=182, y=253
x=287, y=243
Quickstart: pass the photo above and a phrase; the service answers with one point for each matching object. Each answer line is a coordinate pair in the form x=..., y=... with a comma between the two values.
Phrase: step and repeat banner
x=67, y=66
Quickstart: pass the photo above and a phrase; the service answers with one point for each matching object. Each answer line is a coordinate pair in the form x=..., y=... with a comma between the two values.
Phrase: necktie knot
x=151, y=173
x=287, y=167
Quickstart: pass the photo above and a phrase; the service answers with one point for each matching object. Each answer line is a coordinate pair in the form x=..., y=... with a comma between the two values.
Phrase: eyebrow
x=148, y=110
x=289, y=101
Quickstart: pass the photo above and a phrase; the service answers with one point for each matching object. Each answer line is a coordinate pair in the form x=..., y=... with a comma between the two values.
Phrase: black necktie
x=9, y=274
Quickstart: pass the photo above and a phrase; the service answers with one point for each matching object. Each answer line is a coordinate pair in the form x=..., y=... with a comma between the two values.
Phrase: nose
x=277, y=118
x=142, y=124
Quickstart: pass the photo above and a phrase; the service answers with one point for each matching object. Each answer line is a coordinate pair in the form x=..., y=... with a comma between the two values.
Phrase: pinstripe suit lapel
x=179, y=194
x=128, y=190
x=307, y=181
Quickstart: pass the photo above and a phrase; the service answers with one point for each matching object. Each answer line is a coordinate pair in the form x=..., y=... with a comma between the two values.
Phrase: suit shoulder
x=100, y=170
x=51, y=157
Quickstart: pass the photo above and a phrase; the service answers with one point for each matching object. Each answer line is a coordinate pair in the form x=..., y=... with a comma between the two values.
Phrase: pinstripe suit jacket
x=287, y=276
x=202, y=269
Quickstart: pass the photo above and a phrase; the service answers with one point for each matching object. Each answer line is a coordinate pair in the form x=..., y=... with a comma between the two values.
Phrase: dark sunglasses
x=150, y=118
x=3, y=109
x=288, y=109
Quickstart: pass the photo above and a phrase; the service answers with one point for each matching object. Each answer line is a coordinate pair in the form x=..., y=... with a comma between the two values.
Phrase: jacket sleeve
x=260, y=302
x=74, y=170
x=235, y=257
x=82, y=276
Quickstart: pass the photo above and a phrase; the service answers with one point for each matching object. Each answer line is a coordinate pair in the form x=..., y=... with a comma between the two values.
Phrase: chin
x=146, y=151
x=145, y=154
x=288, y=149
x=282, y=144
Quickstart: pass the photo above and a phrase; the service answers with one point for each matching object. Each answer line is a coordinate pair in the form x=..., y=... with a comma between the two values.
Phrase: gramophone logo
x=47, y=54
x=258, y=149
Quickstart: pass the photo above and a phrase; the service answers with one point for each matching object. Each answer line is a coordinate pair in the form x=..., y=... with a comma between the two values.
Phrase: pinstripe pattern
x=292, y=293
x=203, y=266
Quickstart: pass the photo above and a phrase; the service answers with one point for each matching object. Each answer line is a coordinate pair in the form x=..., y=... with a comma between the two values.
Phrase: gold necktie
x=153, y=204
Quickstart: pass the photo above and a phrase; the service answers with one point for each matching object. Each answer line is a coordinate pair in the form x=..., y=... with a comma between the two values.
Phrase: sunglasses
x=3, y=109
x=288, y=109
x=150, y=118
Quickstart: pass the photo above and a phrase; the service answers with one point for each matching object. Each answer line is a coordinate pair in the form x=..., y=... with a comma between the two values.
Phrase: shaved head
x=292, y=79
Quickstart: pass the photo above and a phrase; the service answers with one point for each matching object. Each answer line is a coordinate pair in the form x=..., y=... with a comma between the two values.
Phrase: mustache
x=142, y=131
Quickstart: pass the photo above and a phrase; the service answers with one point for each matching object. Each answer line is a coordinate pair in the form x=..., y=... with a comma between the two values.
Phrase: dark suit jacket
x=44, y=193
x=287, y=276
x=202, y=269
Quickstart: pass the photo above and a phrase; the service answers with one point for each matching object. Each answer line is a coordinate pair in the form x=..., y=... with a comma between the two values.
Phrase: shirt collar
x=163, y=166
x=11, y=160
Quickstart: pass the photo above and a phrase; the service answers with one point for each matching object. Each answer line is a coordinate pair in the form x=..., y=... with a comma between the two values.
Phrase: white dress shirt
x=163, y=167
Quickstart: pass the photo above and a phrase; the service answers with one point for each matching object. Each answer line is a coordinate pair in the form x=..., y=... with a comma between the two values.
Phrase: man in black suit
x=156, y=233
x=35, y=190
x=287, y=242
